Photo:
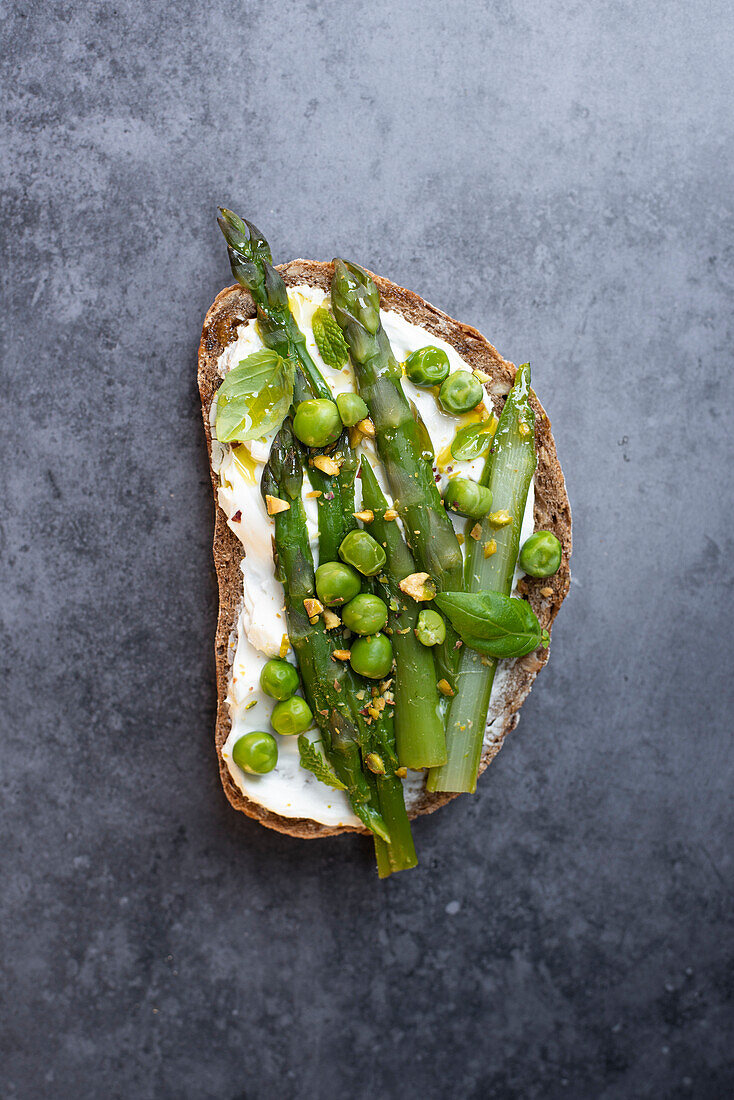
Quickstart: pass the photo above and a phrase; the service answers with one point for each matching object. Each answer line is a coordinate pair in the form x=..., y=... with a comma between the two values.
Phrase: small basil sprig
x=313, y=761
x=472, y=441
x=329, y=338
x=254, y=397
x=491, y=623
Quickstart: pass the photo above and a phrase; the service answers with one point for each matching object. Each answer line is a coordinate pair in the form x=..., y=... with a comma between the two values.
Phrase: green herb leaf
x=473, y=440
x=314, y=762
x=491, y=623
x=254, y=397
x=329, y=339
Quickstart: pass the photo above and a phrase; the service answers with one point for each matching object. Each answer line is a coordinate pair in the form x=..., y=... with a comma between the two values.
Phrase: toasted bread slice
x=552, y=512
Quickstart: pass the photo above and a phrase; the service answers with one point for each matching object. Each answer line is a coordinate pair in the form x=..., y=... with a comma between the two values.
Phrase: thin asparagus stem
x=419, y=732
x=327, y=683
x=429, y=532
x=508, y=472
x=251, y=263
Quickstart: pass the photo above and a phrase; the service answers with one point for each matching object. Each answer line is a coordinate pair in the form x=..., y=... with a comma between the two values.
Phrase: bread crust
x=231, y=307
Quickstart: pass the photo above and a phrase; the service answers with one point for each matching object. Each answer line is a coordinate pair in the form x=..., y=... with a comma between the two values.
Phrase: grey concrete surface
x=558, y=174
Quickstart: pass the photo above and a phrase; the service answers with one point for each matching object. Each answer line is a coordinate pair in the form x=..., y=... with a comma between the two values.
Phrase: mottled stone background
x=558, y=174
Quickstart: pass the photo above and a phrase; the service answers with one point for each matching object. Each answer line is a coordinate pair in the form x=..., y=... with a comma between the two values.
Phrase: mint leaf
x=254, y=397
x=329, y=339
x=491, y=623
x=314, y=762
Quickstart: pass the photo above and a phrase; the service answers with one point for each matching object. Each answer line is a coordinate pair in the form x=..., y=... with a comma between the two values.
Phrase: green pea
x=365, y=614
x=430, y=628
x=541, y=554
x=460, y=393
x=427, y=366
x=256, y=752
x=337, y=583
x=279, y=679
x=351, y=408
x=372, y=656
x=317, y=423
x=468, y=498
x=363, y=552
x=291, y=716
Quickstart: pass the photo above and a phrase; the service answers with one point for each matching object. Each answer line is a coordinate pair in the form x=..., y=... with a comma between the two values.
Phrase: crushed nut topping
x=367, y=427
x=326, y=464
x=331, y=621
x=419, y=586
x=275, y=505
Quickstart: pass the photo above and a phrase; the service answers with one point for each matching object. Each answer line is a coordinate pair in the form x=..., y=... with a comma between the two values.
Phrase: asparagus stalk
x=330, y=686
x=508, y=472
x=419, y=731
x=251, y=262
x=356, y=304
x=325, y=681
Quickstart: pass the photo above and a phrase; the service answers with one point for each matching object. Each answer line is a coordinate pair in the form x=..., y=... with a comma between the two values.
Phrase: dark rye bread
x=552, y=512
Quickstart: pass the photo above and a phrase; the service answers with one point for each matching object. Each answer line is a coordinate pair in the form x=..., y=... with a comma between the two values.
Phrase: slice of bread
x=552, y=512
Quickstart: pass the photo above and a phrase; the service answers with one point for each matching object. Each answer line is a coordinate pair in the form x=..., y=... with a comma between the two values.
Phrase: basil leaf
x=254, y=397
x=329, y=338
x=472, y=441
x=491, y=623
x=313, y=761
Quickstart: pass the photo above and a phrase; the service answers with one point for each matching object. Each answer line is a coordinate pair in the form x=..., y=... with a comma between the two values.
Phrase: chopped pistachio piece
x=500, y=519
x=419, y=586
x=326, y=465
x=275, y=505
x=375, y=763
x=313, y=608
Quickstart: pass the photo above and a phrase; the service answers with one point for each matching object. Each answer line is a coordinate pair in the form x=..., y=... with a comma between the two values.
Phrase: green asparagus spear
x=251, y=263
x=508, y=473
x=326, y=682
x=419, y=731
x=356, y=304
x=331, y=688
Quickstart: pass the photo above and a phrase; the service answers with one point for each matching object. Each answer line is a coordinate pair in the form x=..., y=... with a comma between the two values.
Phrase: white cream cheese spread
x=261, y=632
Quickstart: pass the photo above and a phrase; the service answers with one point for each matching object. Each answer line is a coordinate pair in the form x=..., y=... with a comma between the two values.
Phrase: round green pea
x=427, y=366
x=363, y=552
x=337, y=583
x=372, y=656
x=541, y=554
x=351, y=408
x=291, y=716
x=468, y=498
x=279, y=679
x=460, y=393
x=256, y=752
x=365, y=614
x=430, y=628
x=317, y=423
